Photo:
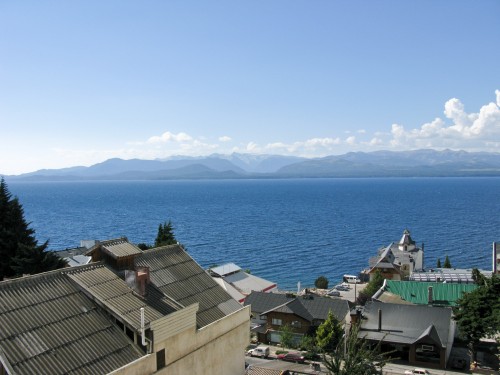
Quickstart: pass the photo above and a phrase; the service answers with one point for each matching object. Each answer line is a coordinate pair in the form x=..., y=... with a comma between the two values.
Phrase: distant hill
x=424, y=163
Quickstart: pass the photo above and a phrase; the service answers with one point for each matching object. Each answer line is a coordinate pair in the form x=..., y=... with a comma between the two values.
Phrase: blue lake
x=283, y=230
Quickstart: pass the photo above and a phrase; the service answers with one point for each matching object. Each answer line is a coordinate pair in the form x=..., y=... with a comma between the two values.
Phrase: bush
x=321, y=282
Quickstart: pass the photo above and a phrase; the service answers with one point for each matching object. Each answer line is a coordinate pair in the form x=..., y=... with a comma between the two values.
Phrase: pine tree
x=19, y=250
x=165, y=235
x=329, y=334
x=447, y=263
x=438, y=264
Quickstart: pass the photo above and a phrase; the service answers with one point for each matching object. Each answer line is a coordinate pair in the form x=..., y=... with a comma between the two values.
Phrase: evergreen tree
x=286, y=336
x=371, y=288
x=165, y=235
x=438, y=264
x=329, y=334
x=447, y=263
x=321, y=282
x=19, y=250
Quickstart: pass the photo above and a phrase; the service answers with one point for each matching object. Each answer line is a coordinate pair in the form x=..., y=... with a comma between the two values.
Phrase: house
x=496, y=257
x=398, y=261
x=303, y=314
x=232, y=277
x=421, y=335
x=422, y=293
x=132, y=312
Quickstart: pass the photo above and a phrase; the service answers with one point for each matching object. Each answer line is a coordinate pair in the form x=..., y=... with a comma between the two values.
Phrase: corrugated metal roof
x=417, y=292
x=120, y=248
x=49, y=326
x=225, y=269
x=109, y=289
x=247, y=282
x=179, y=277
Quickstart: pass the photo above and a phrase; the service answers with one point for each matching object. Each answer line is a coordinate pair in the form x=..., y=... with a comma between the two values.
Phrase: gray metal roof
x=179, y=277
x=106, y=287
x=405, y=323
x=225, y=269
x=120, y=247
x=48, y=325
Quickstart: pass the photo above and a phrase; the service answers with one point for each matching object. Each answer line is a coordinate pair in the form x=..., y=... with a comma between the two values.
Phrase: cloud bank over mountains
x=457, y=129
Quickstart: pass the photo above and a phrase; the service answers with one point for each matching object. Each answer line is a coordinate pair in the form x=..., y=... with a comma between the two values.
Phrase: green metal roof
x=416, y=292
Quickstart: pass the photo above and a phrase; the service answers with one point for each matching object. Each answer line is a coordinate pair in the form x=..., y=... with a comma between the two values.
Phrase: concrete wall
x=218, y=348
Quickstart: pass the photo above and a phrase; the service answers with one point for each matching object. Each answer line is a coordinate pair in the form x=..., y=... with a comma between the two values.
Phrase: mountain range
x=417, y=163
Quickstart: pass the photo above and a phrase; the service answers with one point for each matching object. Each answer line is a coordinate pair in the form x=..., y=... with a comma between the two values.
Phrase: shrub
x=321, y=282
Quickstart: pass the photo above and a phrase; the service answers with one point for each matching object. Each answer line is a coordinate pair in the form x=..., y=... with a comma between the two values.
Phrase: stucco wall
x=218, y=348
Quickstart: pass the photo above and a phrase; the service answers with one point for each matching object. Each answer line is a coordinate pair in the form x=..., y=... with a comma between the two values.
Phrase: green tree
x=19, y=250
x=355, y=356
x=165, y=235
x=329, y=334
x=286, y=336
x=478, y=313
x=438, y=264
x=371, y=288
x=447, y=263
x=321, y=282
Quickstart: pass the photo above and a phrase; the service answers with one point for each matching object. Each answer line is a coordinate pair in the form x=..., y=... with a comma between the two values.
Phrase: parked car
x=260, y=351
x=333, y=293
x=417, y=371
x=291, y=357
x=342, y=288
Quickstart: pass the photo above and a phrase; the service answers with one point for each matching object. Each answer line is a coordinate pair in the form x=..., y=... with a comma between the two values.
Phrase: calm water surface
x=283, y=230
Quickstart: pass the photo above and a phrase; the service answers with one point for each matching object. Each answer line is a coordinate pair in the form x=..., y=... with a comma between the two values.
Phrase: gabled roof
x=247, y=283
x=233, y=292
x=309, y=308
x=261, y=301
x=112, y=292
x=179, y=277
x=48, y=325
x=405, y=324
x=443, y=294
x=117, y=248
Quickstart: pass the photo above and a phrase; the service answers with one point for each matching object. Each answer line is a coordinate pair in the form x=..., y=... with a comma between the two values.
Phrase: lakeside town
x=125, y=308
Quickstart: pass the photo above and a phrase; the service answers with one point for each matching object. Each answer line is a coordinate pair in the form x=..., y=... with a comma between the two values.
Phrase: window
x=277, y=322
x=296, y=324
x=160, y=359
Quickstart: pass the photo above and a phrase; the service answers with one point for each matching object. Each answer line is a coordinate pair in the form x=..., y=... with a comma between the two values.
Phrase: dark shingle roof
x=261, y=301
x=48, y=325
x=308, y=307
x=179, y=277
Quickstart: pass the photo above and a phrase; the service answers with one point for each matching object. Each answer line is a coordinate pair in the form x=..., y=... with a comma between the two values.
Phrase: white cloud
x=225, y=138
x=350, y=140
x=170, y=137
x=467, y=131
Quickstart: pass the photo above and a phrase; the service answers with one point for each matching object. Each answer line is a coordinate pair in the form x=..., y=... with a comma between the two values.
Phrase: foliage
x=308, y=344
x=478, y=312
x=165, y=235
x=321, y=282
x=447, y=263
x=19, y=250
x=371, y=288
x=438, y=264
x=286, y=334
x=354, y=356
x=329, y=333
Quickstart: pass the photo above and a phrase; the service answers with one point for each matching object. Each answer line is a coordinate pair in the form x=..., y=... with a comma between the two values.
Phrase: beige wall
x=217, y=349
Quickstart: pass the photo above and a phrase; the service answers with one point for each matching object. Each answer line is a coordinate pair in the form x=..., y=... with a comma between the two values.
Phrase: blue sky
x=84, y=81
